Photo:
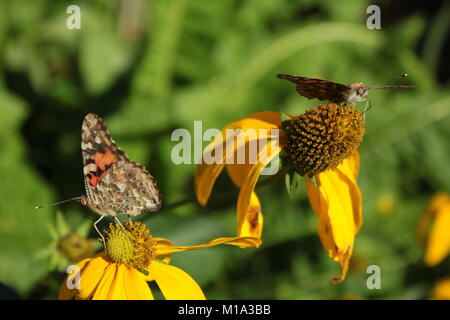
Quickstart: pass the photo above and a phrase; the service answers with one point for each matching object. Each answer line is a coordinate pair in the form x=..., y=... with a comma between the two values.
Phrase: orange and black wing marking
x=312, y=88
x=99, y=151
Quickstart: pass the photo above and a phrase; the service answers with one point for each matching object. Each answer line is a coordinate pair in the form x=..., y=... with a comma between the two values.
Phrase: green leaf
x=293, y=184
x=284, y=117
x=61, y=225
x=23, y=229
x=83, y=228
x=143, y=271
x=314, y=181
x=103, y=55
x=52, y=231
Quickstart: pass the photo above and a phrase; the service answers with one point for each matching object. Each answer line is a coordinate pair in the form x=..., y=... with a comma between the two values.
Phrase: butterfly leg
x=367, y=108
x=96, y=229
x=118, y=221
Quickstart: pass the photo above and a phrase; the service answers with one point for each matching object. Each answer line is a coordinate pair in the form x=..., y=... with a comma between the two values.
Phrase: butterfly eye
x=361, y=90
x=143, y=192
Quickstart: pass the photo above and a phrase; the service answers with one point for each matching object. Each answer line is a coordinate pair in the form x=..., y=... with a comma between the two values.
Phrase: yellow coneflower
x=321, y=146
x=133, y=258
x=433, y=229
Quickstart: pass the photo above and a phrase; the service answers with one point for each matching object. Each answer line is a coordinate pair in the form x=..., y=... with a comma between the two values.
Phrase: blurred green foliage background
x=149, y=67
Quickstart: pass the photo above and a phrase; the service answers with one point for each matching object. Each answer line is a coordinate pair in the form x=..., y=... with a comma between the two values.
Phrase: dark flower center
x=322, y=137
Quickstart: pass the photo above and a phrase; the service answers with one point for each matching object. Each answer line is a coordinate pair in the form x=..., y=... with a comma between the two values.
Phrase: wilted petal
x=267, y=153
x=320, y=208
x=253, y=223
x=337, y=203
x=350, y=169
x=238, y=172
x=206, y=174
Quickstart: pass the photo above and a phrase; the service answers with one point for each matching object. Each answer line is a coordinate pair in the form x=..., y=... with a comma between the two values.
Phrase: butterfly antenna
x=55, y=204
x=401, y=86
x=405, y=75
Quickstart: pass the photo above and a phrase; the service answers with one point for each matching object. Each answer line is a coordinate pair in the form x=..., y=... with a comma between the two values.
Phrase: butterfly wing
x=113, y=183
x=127, y=188
x=312, y=88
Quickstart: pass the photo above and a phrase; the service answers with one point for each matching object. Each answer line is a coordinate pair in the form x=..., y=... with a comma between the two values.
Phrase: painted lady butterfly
x=114, y=184
x=312, y=88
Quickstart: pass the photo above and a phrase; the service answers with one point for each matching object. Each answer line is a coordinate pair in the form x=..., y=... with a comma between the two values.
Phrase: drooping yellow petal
x=164, y=248
x=343, y=258
x=204, y=179
x=253, y=223
x=320, y=208
x=438, y=245
x=339, y=214
x=246, y=194
x=350, y=169
x=174, y=283
x=337, y=203
x=353, y=162
x=206, y=174
x=238, y=172
x=441, y=290
x=271, y=120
